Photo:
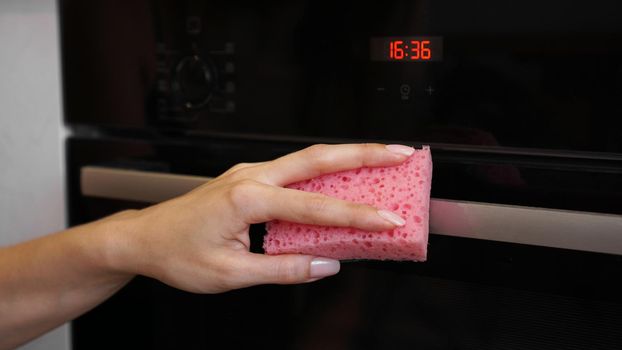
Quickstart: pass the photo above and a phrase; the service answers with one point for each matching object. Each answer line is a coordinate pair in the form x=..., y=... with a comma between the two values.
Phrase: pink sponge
x=403, y=189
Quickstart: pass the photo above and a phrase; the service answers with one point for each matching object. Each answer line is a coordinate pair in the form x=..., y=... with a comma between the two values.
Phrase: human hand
x=199, y=242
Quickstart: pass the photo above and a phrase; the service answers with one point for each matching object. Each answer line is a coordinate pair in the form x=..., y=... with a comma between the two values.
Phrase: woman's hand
x=199, y=242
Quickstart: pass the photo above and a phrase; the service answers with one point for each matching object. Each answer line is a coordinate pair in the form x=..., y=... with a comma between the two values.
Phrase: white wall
x=31, y=151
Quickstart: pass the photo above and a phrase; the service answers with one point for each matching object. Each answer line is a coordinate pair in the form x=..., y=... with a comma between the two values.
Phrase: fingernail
x=322, y=267
x=392, y=217
x=401, y=149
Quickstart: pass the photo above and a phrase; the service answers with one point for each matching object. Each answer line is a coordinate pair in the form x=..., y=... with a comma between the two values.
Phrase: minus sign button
x=379, y=89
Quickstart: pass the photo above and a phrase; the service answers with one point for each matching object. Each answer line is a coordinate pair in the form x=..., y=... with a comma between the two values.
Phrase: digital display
x=407, y=49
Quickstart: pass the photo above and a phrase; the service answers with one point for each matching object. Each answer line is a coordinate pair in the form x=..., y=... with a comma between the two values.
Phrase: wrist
x=114, y=235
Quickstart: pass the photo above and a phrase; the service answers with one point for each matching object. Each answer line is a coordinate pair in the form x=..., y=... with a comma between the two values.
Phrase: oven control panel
x=486, y=74
x=193, y=78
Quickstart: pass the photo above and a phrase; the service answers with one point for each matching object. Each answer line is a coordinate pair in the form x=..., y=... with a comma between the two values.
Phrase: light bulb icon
x=405, y=91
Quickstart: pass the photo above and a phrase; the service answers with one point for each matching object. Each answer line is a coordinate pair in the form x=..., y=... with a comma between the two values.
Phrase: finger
x=282, y=269
x=242, y=166
x=323, y=159
x=307, y=208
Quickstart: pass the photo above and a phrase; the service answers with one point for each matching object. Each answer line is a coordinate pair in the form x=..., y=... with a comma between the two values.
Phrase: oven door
x=524, y=253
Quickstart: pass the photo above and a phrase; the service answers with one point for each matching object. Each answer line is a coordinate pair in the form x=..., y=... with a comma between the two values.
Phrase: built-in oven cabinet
x=519, y=101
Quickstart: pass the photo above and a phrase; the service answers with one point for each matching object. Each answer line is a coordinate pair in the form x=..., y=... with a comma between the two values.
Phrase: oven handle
x=584, y=231
x=135, y=185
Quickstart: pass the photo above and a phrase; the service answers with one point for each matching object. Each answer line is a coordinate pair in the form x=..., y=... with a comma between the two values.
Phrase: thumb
x=284, y=269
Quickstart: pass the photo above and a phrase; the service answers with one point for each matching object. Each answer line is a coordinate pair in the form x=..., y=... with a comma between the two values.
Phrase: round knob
x=195, y=80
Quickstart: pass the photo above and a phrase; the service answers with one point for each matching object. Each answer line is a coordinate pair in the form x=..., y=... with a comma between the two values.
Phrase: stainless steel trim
x=585, y=231
x=135, y=185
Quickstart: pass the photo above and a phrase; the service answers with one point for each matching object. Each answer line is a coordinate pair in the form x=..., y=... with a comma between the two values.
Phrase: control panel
x=195, y=77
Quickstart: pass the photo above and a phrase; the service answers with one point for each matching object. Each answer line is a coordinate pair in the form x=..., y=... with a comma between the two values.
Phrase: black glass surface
x=470, y=294
x=523, y=109
x=528, y=74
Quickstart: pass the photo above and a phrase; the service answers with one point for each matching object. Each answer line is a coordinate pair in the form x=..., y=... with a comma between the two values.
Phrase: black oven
x=519, y=100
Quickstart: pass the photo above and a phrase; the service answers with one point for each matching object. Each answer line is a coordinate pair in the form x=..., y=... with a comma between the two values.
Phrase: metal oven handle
x=585, y=231
x=135, y=185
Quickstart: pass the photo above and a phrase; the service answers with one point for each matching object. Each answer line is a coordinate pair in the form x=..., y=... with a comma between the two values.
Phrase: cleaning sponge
x=403, y=189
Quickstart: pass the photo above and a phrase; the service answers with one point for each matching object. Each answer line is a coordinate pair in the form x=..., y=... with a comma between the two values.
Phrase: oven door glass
x=470, y=294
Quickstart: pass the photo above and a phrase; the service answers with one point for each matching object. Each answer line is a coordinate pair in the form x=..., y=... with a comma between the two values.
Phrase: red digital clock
x=406, y=49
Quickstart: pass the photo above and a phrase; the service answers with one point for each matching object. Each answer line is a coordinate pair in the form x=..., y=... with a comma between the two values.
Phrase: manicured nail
x=401, y=149
x=322, y=267
x=392, y=217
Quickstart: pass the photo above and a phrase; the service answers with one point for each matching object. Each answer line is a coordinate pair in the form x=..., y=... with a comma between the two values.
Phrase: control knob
x=194, y=82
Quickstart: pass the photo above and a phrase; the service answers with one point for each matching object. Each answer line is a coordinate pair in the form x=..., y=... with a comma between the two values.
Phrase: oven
x=519, y=101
